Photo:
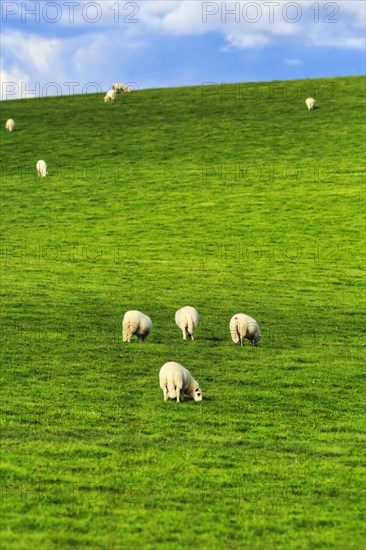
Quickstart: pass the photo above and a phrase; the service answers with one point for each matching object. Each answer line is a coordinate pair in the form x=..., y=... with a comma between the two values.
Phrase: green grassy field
x=229, y=198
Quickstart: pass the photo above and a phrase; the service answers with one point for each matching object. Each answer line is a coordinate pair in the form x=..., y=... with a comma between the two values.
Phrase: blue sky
x=62, y=46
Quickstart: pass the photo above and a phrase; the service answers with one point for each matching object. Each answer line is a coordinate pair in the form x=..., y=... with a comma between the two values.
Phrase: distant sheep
x=175, y=381
x=310, y=103
x=187, y=320
x=119, y=87
x=110, y=96
x=41, y=168
x=135, y=322
x=242, y=326
x=10, y=125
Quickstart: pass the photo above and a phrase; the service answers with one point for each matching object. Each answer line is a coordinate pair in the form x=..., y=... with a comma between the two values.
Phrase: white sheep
x=187, y=320
x=110, y=96
x=10, y=125
x=175, y=381
x=135, y=322
x=119, y=87
x=310, y=103
x=41, y=168
x=242, y=326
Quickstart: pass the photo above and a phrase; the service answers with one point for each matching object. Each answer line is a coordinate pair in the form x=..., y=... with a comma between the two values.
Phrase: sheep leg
x=242, y=335
x=184, y=334
x=239, y=336
x=165, y=393
x=192, y=336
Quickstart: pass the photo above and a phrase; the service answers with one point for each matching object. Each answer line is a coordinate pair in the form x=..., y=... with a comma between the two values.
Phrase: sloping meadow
x=231, y=198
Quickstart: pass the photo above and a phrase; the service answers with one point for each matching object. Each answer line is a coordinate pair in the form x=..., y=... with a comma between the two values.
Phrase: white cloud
x=32, y=62
x=244, y=41
x=33, y=65
x=342, y=38
x=357, y=9
x=13, y=83
x=39, y=53
x=293, y=62
x=27, y=60
x=345, y=42
x=85, y=52
x=256, y=24
x=94, y=51
x=159, y=7
x=185, y=19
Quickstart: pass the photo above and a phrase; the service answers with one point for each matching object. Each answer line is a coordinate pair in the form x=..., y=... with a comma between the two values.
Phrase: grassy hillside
x=230, y=199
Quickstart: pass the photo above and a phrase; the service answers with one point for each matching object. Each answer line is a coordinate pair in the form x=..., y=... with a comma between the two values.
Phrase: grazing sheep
x=110, y=96
x=187, y=320
x=118, y=87
x=135, y=322
x=41, y=168
x=175, y=381
x=242, y=326
x=310, y=103
x=10, y=125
